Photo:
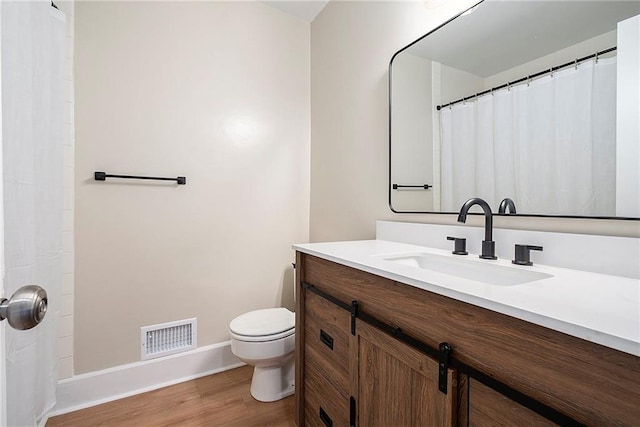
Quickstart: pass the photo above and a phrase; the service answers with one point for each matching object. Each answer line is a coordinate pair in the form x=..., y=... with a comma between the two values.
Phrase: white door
x=32, y=38
x=3, y=382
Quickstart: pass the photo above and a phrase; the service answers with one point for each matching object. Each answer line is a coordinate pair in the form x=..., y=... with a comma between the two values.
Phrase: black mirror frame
x=390, y=184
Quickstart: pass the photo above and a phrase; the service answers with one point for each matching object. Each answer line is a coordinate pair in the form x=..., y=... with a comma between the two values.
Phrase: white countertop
x=596, y=307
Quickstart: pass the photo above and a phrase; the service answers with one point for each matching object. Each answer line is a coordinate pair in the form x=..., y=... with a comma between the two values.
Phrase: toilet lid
x=265, y=322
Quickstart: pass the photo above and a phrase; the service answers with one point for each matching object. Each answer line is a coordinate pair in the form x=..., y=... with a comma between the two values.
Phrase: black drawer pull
x=326, y=339
x=352, y=412
x=325, y=418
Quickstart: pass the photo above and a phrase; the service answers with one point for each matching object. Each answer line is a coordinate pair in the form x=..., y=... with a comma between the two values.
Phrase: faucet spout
x=488, y=216
x=507, y=205
x=488, y=245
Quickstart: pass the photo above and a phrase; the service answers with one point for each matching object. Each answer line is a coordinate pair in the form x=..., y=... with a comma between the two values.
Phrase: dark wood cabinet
x=326, y=366
x=370, y=377
x=397, y=385
x=354, y=374
x=488, y=408
x=327, y=341
x=324, y=405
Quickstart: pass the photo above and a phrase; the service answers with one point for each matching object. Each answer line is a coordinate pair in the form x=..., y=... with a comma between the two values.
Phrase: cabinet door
x=489, y=408
x=398, y=385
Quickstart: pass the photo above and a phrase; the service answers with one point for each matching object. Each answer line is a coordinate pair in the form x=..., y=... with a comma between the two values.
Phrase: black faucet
x=507, y=205
x=488, y=245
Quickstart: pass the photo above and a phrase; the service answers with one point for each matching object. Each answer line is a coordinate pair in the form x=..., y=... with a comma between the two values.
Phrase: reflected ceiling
x=556, y=26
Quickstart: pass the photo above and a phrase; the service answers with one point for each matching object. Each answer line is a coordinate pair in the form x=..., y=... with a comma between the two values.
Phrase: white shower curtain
x=32, y=39
x=549, y=145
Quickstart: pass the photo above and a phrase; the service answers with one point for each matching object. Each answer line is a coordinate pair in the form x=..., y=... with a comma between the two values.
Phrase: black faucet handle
x=522, y=254
x=459, y=245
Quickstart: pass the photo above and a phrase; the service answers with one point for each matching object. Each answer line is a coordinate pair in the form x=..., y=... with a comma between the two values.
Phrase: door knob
x=26, y=308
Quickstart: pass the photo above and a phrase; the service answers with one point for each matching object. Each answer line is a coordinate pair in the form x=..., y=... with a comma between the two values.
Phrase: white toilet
x=266, y=339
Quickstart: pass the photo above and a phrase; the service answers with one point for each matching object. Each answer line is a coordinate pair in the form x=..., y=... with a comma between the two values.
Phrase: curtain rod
x=530, y=77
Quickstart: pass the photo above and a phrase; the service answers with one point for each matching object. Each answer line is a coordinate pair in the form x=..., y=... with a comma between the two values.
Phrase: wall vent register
x=168, y=338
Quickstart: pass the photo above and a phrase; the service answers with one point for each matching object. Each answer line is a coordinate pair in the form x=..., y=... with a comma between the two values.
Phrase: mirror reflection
x=534, y=101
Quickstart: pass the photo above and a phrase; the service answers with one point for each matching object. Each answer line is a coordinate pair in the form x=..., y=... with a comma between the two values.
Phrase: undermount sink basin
x=479, y=271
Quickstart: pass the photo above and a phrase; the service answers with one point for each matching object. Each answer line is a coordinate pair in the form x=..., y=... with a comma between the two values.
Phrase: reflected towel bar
x=421, y=186
x=102, y=176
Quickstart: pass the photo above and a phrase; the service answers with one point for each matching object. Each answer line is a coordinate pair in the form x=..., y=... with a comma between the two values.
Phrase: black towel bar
x=102, y=176
x=422, y=186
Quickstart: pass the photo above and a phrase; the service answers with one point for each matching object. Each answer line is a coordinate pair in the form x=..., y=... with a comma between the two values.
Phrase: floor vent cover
x=168, y=338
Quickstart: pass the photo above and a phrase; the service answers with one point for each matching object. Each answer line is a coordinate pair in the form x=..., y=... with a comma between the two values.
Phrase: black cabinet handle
x=326, y=339
x=325, y=418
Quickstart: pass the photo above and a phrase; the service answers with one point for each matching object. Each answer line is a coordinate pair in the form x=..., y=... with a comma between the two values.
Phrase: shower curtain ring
x=596, y=55
x=528, y=80
x=551, y=71
x=575, y=63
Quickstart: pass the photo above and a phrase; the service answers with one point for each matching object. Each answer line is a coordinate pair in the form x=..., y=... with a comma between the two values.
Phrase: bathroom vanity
x=426, y=337
x=383, y=342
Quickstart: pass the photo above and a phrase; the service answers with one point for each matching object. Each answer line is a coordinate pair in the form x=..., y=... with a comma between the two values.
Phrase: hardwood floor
x=217, y=400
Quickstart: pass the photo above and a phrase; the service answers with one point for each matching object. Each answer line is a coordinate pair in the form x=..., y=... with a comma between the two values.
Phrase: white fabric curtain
x=549, y=145
x=33, y=40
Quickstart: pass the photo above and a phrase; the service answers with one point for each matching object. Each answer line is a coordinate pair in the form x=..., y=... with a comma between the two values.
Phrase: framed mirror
x=534, y=101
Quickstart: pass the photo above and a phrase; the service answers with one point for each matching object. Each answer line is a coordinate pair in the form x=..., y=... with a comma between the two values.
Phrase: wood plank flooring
x=216, y=400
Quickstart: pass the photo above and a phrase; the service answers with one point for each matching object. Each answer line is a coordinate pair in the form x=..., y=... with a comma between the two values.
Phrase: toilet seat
x=263, y=325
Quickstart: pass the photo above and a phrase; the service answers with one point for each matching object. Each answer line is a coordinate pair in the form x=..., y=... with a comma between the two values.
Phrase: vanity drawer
x=341, y=282
x=324, y=406
x=327, y=329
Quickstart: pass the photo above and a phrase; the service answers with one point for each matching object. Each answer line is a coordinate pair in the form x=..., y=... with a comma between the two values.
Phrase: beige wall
x=413, y=97
x=215, y=91
x=351, y=45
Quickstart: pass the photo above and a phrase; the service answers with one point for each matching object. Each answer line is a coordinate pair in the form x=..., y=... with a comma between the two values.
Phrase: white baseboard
x=94, y=388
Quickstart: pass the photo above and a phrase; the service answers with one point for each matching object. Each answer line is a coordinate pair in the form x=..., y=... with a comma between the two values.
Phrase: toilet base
x=273, y=383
